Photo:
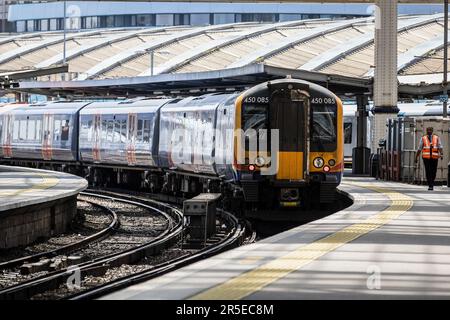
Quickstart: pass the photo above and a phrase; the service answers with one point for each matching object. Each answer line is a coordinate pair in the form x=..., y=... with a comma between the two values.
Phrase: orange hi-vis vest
x=430, y=148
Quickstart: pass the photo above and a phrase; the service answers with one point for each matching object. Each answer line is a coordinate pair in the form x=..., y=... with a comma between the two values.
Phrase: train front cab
x=309, y=158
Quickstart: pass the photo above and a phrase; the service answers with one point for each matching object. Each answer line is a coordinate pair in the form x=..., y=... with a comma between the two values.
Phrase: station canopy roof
x=337, y=53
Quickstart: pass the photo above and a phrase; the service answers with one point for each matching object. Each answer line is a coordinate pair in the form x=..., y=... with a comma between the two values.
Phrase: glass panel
x=123, y=132
x=104, y=130
x=117, y=126
x=31, y=132
x=38, y=130
x=348, y=131
x=57, y=131
x=119, y=21
x=30, y=25
x=200, y=19
x=147, y=130
x=145, y=20
x=44, y=25
x=16, y=130
x=21, y=26
x=323, y=133
x=139, y=130
x=23, y=130
x=164, y=20
x=290, y=17
x=65, y=130
x=220, y=18
x=90, y=130
x=53, y=24
x=110, y=21
x=110, y=130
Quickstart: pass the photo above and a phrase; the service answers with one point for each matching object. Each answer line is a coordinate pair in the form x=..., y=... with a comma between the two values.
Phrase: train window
x=90, y=129
x=110, y=131
x=104, y=129
x=23, y=130
x=253, y=117
x=324, y=128
x=123, y=132
x=16, y=130
x=38, y=129
x=65, y=130
x=140, y=130
x=147, y=130
x=348, y=132
x=57, y=131
x=117, y=126
x=31, y=131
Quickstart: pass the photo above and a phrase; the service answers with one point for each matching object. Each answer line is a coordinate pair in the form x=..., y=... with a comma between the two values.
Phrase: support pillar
x=361, y=154
x=385, y=81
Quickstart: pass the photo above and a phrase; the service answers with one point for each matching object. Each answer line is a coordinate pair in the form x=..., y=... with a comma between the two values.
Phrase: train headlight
x=260, y=161
x=332, y=162
x=318, y=163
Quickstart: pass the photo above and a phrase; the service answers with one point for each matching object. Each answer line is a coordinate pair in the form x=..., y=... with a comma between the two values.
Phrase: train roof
x=51, y=107
x=125, y=107
x=204, y=102
x=312, y=86
x=9, y=107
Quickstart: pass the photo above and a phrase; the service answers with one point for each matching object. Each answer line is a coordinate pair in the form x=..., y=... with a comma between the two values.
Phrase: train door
x=96, y=141
x=7, y=135
x=131, y=141
x=47, y=137
x=289, y=113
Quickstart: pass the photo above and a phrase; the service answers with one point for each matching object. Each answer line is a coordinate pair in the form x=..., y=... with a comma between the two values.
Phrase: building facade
x=24, y=16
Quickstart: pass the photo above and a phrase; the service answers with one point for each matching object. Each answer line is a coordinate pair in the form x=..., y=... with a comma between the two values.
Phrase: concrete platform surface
x=393, y=243
x=20, y=187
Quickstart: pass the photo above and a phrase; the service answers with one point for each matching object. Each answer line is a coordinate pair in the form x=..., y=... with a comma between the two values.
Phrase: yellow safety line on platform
x=256, y=279
x=48, y=181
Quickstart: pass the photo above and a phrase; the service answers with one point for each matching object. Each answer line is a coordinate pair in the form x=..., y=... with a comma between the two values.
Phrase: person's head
x=430, y=131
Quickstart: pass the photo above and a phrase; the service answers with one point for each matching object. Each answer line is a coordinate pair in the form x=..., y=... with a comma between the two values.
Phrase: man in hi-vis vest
x=431, y=149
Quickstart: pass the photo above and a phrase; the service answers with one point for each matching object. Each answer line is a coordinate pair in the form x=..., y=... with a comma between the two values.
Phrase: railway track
x=132, y=265
x=232, y=239
x=67, y=249
x=133, y=252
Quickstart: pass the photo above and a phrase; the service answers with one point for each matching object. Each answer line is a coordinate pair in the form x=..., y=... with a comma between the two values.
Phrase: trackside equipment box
x=201, y=213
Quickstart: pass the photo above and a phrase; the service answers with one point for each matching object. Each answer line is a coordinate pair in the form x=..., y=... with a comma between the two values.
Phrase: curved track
x=27, y=289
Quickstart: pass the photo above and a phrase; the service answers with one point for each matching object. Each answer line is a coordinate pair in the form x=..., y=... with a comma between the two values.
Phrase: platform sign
x=443, y=98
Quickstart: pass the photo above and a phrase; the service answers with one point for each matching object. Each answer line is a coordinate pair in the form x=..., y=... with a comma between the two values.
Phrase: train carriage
x=309, y=158
x=187, y=133
x=42, y=132
x=123, y=134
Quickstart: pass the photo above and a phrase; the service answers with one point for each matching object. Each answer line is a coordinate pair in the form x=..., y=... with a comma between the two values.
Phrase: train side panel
x=187, y=134
x=47, y=132
x=120, y=133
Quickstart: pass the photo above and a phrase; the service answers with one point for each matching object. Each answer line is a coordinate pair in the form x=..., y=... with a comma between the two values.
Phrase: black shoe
x=430, y=189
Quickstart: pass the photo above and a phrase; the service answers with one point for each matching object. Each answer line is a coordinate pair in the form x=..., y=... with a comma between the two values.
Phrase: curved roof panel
x=341, y=47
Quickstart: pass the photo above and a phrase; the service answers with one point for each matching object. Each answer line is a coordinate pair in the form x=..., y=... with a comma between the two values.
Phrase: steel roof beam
x=308, y=35
x=71, y=54
x=128, y=55
x=207, y=48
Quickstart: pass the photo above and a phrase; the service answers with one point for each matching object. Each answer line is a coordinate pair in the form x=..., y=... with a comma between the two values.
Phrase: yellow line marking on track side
x=48, y=181
x=254, y=280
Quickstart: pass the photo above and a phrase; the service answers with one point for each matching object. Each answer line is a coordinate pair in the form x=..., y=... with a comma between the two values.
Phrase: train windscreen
x=324, y=128
x=254, y=117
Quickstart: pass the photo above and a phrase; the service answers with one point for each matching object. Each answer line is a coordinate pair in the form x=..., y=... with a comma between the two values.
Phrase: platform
x=35, y=203
x=392, y=243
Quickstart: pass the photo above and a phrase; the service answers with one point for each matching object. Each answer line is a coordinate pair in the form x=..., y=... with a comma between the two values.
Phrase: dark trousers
x=431, y=170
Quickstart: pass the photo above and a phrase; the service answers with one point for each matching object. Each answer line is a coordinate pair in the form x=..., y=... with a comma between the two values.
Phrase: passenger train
x=227, y=143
